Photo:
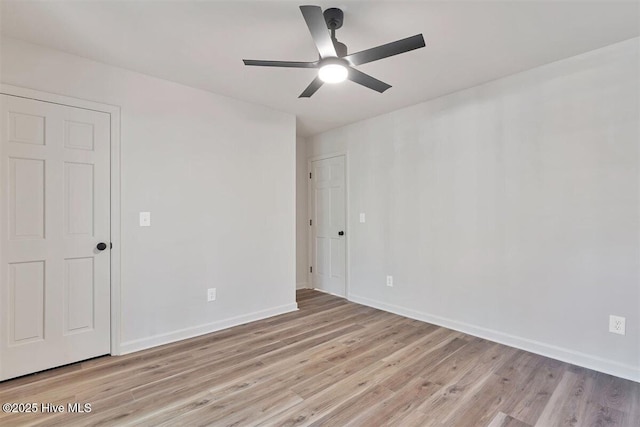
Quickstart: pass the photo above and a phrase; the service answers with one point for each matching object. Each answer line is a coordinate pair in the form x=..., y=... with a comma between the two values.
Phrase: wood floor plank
x=534, y=394
x=332, y=362
x=567, y=401
x=500, y=389
x=459, y=386
x=354, y=408
x=320, y=404
x=389, y=411
x=343, y=368
x=602, y=416
x=615, y=393
x=504, y=420
x=431, y=358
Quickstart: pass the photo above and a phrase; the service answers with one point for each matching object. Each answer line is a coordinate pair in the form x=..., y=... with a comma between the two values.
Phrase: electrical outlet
x=617, y=324
x=362, y=218
x=145, y=219
x=211, y=294
x=390, y=281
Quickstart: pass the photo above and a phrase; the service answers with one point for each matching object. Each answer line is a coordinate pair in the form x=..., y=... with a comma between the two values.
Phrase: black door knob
x=340, y=233
x=101, y=246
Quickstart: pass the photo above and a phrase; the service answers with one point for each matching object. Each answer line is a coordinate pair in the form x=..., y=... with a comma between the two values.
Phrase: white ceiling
x=202, y=44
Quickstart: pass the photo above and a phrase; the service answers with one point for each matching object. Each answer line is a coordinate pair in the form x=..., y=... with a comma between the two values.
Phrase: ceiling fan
x=335, y=65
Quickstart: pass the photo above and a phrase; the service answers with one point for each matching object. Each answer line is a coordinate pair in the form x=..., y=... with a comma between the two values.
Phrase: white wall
x=508, y=210
x=218, y=177
x=302, y=217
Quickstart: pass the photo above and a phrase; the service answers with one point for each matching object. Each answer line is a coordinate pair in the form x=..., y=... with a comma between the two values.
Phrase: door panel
x=55, y=193
x=328, y=220
x=78, y=296
x=78, y=199
x=26, y=293
x=322, y=249
x=78, y=135
x=26, y=198
x=25, y=128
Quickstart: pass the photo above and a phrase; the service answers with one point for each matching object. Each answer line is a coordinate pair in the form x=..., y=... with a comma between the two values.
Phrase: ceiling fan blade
x=318, y=28
x=367, y=81
x=386, y=50
x=312, y=88
x=288, y=64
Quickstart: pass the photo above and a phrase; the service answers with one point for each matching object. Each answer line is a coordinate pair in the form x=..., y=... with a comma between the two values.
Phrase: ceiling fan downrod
x=334, y=18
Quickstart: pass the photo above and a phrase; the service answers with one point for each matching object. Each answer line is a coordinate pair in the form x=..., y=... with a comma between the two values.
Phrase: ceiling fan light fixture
x=335, y=64
x=333, y=72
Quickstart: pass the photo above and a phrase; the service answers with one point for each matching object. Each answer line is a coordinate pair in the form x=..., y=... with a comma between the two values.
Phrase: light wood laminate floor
x=332, y=363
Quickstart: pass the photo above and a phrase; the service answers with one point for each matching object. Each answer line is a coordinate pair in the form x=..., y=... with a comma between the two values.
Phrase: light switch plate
x=145, y=219
x=362, y=218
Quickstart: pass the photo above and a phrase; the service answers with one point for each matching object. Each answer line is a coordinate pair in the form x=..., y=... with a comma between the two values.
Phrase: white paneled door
x=55, y=211
x=328, y=225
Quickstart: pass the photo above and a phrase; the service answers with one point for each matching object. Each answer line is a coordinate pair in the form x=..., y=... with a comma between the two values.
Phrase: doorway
x=56, y=239
x=328, y=225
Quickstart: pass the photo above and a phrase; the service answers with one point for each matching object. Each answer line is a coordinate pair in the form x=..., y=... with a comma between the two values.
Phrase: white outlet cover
x=617, y=324
x=362, y=218
x=390, y=281
x=211, y=294
x=145, y=219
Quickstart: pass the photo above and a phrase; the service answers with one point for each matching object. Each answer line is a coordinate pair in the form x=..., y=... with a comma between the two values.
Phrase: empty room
x=349, y=213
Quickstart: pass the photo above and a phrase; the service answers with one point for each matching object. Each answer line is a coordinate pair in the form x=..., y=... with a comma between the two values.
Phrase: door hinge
x=310, y=269
x=310, y=222
x=309, y=175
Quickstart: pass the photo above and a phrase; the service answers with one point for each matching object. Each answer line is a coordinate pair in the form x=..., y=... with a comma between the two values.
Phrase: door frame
x=114, y=112
x=347, y=272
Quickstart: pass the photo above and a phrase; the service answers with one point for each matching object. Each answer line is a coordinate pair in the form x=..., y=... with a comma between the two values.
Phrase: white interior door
x=55, y=209
x=328, y=225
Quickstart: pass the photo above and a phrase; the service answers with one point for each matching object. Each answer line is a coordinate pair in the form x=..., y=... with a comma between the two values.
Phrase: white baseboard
x=628, y=372
x=329, y=293
x=302, y=285
x=182, y=334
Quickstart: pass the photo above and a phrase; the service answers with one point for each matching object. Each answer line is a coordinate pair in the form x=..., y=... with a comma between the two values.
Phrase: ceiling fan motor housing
x=333, y=17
